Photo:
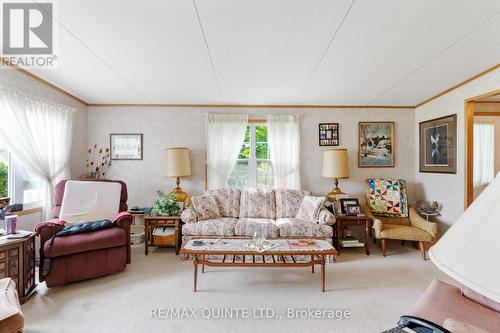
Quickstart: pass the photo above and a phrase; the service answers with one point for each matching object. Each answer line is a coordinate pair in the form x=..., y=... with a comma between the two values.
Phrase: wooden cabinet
x=17, y=261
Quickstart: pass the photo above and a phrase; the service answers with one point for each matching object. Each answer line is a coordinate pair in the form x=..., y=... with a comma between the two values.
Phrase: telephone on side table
x=409, y=324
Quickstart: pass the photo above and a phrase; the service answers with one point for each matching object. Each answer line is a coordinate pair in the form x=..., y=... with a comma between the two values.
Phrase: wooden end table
x=344, y=221
x=17, y=261
x=150, y=222
x=234, y=255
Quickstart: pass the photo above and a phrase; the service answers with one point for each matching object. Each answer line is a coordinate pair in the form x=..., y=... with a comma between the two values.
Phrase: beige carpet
x=376, y=291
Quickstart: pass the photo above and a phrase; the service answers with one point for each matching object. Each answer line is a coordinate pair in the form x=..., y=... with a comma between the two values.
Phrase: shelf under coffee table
x=235, y=254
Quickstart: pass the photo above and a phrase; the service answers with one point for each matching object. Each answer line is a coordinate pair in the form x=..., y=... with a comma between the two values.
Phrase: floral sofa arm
x=189, y=215
x=326, y=217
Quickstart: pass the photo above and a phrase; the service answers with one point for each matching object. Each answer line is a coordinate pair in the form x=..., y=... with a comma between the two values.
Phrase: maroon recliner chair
x=87, y=255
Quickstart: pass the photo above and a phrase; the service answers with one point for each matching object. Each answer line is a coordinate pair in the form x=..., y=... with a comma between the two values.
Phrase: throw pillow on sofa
x=206, y=207
x=309, y=208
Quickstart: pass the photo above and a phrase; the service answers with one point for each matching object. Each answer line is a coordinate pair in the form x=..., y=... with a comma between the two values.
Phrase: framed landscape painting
x=438, y=145
x=329, y=134
x=376, y=145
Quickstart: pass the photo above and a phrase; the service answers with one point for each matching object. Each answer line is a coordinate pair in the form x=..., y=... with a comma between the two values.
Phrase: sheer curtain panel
x=225, y=135
x=38, y=134
x=284, y=146
x=484, y=154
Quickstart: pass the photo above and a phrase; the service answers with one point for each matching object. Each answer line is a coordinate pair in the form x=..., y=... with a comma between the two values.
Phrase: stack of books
x=351, y=242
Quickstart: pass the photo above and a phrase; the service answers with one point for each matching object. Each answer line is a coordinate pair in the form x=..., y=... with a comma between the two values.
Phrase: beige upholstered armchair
x=387, y=205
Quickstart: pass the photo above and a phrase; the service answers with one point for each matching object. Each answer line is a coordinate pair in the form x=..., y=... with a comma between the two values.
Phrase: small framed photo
x=337, y=208
x=329, y=134
x=348, y=201
x=126, y=146
x=353, y=210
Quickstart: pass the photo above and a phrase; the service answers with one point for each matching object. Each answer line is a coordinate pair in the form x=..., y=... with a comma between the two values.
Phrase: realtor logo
x=27, y=28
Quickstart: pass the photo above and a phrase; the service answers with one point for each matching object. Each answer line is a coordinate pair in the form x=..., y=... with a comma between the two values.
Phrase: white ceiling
x=322, y=52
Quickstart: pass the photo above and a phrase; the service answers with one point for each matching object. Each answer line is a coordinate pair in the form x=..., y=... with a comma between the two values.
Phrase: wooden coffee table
x=235, y=254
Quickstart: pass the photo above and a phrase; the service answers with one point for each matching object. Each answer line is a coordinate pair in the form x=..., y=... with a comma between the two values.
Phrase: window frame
x=253, y=160
x=15, y=182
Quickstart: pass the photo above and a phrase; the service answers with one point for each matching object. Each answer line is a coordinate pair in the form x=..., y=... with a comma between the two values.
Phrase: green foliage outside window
x=261, y=145
x=4, y=191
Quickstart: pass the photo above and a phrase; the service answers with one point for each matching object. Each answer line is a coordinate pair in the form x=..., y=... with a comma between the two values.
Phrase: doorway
x=482, y=155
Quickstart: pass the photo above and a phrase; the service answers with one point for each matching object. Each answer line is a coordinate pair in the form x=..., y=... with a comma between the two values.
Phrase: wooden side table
x=17, y=261
x=150, y=222
x=344, y=221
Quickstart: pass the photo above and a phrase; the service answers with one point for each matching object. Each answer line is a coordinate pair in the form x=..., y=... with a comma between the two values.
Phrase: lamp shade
x=335, y=163
x=177, y=162
x=469, y=251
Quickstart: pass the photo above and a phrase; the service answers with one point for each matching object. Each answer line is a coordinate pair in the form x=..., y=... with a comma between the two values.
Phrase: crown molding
x=475, y=77
x=271, y=106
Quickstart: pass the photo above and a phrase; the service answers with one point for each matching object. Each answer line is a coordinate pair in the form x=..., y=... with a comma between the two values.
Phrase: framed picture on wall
x=329, y=134
x=376, y=144
x=438, y=145
x=126, y=146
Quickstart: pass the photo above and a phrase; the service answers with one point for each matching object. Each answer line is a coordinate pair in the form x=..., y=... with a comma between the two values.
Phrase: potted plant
x=165, y=205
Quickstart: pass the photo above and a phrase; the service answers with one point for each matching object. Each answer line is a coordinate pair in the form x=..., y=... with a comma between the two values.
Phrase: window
x=17, y=183
x=484, y=154
x=254, y=167
x=4, y=173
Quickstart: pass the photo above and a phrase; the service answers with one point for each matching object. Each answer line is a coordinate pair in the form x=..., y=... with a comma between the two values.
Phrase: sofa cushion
x=480, y=299
x=291, y=227
x=309, y=208
x=206, y=207
x=258, y=202
x=404, y=232
x=95, y=240
x=442, y=301
x=288, y=202
x=246, y=227
x=228, y=200
x=457, y=326
x=222, y=226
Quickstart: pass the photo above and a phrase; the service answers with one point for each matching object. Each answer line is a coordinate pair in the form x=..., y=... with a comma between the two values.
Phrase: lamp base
x=179, y=194
x=332, y=196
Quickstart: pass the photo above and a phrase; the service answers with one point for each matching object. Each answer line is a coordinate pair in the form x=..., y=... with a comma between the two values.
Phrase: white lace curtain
x=284, y=145
x=484, y=154
x=225, y=135
x=38, y=134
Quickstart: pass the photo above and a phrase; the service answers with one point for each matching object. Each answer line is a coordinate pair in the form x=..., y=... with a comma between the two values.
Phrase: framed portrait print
x=346, y=202
x=376, y=144
x=438, y=145
x=329, y=134
x=127, y=146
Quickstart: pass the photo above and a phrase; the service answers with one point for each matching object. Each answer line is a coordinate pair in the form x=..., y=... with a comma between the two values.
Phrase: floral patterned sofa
x=235, y=213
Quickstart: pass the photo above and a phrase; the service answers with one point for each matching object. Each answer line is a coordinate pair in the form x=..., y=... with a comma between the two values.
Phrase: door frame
x=469, y=145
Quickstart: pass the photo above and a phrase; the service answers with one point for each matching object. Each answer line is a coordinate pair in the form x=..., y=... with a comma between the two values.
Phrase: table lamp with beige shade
x=178, y=164
x=335, y=165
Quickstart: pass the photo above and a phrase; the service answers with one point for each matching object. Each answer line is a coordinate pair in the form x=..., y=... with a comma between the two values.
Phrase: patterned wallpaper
x=169, y=127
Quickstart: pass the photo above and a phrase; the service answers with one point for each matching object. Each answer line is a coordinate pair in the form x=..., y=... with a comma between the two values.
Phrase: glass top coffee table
x=274, y=253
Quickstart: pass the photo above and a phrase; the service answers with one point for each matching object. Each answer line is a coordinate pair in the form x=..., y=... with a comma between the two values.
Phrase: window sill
x=28, y=211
